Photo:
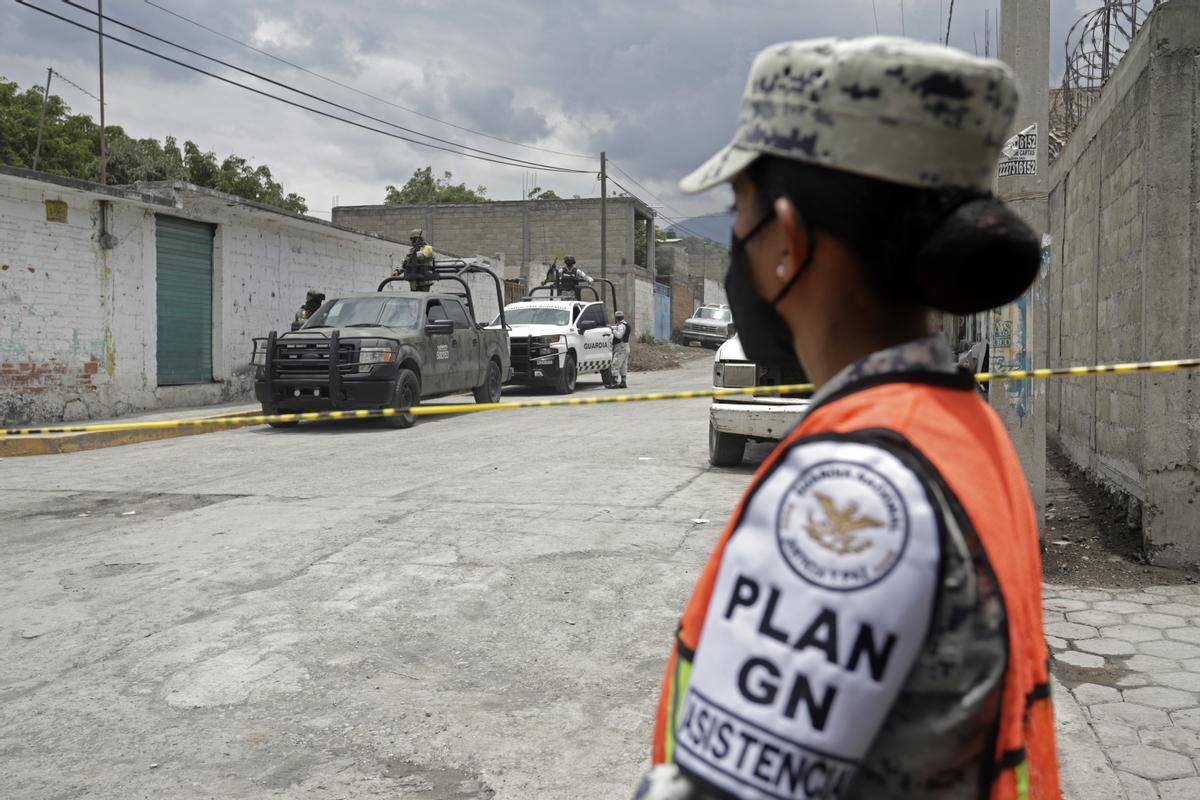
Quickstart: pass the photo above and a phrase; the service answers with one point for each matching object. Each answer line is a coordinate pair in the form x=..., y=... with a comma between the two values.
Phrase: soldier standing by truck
x=571, y=277
x=312, y=301
x=621, y=333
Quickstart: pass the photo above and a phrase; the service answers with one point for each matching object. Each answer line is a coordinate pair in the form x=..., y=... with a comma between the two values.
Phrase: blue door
x=662, y=312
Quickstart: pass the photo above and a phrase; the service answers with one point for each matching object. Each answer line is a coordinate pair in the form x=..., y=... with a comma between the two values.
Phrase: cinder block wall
x=78, y=324
x=1125, y=283
x=525, y=231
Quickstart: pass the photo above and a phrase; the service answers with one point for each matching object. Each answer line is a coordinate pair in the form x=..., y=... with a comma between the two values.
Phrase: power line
x=503, y=160
x=360, y=91
x=678, y=223
x=67, y=80
x=303, y=93
x=949, y=19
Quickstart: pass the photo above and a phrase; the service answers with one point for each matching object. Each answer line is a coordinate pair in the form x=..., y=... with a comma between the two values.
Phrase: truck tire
x=491, y=389
x=567, y=376
x=270, y=411
x=408, y=395
x=725, y=449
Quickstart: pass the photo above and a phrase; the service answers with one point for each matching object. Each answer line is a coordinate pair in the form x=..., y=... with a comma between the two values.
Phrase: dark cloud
x=655, y=84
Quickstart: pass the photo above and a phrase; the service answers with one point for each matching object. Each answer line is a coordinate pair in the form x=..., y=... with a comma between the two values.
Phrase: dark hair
x=951, y=249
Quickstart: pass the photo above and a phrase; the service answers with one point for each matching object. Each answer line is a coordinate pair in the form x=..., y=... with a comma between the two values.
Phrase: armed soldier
x=571, y=277
x=312, y=301
x=621, y=333
x=418, y=260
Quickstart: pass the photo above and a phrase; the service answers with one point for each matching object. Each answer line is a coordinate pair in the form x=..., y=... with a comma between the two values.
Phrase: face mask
x=764, y=335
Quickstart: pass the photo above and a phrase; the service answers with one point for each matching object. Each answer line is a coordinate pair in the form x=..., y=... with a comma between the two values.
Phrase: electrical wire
x=301, y=92
x=504, y=161
x=67, y=80
x=677, y=223
x=335, y=82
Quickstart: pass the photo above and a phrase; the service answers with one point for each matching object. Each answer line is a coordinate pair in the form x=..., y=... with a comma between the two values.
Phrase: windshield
x=714, y=313
x=535, y=316
x=387, y=312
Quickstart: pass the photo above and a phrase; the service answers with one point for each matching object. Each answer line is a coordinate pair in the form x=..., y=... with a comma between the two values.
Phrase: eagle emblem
x=836, y=531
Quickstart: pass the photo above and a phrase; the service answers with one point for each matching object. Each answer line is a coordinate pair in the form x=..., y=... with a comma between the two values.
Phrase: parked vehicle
x=384, y=350
x=734, y=421
x=554, y=341
x=711, y=325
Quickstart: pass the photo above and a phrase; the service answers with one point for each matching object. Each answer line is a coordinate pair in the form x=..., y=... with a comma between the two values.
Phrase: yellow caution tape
x=439, y=409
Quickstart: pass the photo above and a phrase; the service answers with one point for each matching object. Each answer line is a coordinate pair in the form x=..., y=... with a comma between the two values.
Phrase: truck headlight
x=734, y=375
x=375, y=351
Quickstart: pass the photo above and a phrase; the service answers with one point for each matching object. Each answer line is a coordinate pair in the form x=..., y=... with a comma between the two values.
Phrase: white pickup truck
x=733, y=421
x=554, y=341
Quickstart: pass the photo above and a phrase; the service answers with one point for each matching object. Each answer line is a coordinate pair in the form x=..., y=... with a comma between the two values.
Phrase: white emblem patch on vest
x=842, y=525
x=822, y=602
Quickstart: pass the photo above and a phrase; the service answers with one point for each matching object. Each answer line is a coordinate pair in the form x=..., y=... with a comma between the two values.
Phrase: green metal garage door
x=185, y=288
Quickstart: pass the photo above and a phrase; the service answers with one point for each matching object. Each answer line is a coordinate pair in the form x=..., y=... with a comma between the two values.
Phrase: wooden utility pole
x=604, y=218
x=100, y=39
x=37, y=150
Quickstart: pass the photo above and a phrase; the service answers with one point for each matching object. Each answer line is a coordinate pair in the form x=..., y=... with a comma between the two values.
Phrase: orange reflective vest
x=965, y=442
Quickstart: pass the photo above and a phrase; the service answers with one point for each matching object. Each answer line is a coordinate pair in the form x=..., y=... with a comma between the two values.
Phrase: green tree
x=71, y=147
x=423, y=189
x=538, y=193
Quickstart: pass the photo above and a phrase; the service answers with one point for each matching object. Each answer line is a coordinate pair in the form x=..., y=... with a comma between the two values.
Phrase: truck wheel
x=725, y=449
x=408, y=395
x=270, y=411
x=490, y=391
x=567, y=376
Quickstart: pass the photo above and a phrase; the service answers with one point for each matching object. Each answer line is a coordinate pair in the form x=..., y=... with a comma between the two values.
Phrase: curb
x=77, y=442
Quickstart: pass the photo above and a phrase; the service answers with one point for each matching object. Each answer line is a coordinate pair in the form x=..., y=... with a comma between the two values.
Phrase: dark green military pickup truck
x=384, y=350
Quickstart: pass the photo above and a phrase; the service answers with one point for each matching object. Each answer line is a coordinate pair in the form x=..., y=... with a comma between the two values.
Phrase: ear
x=796, y=237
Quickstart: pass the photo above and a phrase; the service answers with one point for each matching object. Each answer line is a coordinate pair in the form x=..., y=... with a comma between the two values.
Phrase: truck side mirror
x=439, y=327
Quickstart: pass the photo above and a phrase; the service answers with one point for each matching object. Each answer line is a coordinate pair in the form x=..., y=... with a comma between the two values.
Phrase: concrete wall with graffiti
x=1125, y=283
x=78, y=320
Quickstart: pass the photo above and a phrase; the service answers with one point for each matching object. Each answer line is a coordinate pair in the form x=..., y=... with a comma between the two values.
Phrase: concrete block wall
x=1125, y=282
x=682, y=298
x=714, y=293
x=66, y=304
x=525, y=231
x=641, y=290
x=80, y=325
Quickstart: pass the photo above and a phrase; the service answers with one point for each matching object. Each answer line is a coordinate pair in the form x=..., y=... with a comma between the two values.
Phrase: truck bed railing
x=451, y=270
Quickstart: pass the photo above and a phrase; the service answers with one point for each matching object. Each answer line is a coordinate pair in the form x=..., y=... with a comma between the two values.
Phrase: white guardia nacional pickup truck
x=733, y=421
x=555, y=341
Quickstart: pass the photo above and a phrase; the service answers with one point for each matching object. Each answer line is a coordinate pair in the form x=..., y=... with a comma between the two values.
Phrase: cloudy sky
x=655, y=83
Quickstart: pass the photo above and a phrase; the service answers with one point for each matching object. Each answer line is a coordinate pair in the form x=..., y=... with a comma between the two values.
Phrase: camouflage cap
x=416, y=233
x=888, y=108
x=315, y=293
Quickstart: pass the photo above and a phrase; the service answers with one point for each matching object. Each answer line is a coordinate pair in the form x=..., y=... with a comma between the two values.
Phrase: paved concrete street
x=478, y=605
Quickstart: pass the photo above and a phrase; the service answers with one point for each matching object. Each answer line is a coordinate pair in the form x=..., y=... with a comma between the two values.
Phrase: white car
x=555, y=341
x=733, y=421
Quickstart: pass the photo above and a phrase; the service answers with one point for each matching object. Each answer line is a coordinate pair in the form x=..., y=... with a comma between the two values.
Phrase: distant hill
x=709, y=226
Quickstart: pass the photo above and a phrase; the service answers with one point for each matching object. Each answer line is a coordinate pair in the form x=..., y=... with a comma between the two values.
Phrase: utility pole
x=100, y=40
x=604, y=219
x=37, y=150
x=1017, y=332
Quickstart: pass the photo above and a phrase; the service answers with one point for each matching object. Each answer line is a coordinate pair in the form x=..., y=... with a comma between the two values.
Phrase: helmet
x=620, y=315
x=416, y=233
x=315, y=293
x=569, y=261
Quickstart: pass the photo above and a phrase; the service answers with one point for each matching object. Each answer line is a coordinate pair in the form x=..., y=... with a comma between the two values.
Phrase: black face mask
x=764, y=335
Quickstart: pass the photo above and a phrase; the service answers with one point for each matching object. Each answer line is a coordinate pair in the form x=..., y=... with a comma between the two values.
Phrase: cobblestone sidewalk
x=1131, y=660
